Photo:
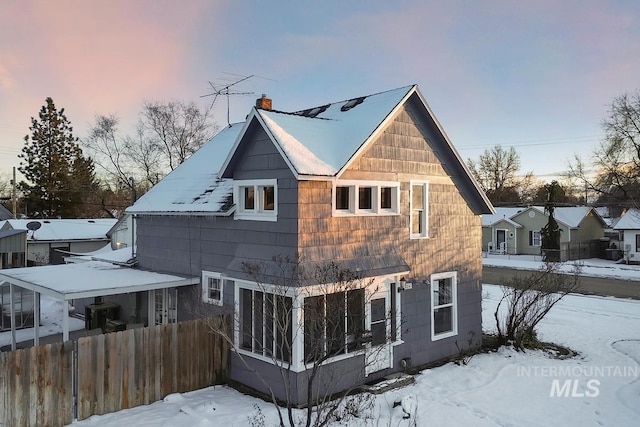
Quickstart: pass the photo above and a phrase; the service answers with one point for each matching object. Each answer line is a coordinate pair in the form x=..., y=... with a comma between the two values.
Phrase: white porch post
x=12, y=311
x=65, y=321
x=36, y=319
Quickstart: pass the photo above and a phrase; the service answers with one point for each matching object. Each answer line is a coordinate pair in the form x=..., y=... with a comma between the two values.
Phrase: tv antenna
x=226, y=90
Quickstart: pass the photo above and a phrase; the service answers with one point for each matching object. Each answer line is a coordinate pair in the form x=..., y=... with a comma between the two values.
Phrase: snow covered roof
x=571, y=216
x=63, y=229
x=502, y=214
x=90, y=279
x=316, y=142
x=322, y=140
x=195, y=185
x=629, y=221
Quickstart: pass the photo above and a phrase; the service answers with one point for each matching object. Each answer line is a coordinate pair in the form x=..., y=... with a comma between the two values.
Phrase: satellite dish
x=33, y=225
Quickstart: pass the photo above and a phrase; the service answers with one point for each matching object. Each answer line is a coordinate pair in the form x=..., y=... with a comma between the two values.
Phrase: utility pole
x=13, y=193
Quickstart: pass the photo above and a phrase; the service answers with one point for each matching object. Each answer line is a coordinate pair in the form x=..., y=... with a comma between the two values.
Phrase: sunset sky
x=536, y=75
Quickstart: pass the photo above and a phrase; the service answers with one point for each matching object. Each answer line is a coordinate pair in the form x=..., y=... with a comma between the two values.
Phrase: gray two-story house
x=372, y=185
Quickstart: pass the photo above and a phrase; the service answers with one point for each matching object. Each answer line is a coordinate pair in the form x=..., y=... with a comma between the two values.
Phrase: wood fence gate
x=52, y=384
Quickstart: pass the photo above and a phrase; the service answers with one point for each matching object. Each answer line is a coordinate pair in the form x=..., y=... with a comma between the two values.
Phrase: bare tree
x=496, y=172
x=526, y=300
x=332, y=324
x=165, y=136
x=176, y=129
x=617, y=158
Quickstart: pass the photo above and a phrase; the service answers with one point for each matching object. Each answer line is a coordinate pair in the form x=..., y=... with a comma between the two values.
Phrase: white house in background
x=122, y=233
x=629, y=226
x=49, y=240
x=516, y=230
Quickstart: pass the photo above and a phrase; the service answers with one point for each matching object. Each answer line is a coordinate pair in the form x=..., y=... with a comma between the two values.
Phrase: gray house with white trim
x=372, y=184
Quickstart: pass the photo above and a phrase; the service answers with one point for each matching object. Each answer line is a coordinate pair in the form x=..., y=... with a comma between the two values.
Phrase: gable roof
x=571, y=216
x=501, y=214
x=629, y=221
x=316, y=143
x=63, y=229
x=195, y=185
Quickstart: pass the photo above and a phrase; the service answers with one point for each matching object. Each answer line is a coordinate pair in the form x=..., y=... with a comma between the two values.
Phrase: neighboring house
x=517, y=231
x=629, y=225
x=5, y=213
x=122, y=234
x=371, y=183
x=49, y=240
x=40, y=242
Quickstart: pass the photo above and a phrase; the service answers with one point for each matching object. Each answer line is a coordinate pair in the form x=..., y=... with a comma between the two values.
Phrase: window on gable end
x=256, y=200
x=366, y=198
x=419, y=217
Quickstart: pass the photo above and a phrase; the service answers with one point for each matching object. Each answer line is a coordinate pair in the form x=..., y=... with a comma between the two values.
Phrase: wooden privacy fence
x=36, y=386
x=53, y=384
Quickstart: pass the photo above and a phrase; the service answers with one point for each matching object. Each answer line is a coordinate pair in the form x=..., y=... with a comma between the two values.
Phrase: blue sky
x=538, y=76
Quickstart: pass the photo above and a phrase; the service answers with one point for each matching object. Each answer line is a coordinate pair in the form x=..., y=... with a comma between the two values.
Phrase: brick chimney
x=263, y=103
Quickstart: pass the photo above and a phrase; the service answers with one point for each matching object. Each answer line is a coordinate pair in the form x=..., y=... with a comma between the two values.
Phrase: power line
x=537, y=142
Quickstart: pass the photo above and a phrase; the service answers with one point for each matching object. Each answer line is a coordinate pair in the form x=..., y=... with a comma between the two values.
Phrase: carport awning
x=90, y=279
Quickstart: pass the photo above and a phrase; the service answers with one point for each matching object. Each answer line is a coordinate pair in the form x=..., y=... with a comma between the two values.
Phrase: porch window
x=333, y=324
x=256, y=199
x=265, y=324
x=419, y=209
x=535, y=239
x=212, y=286
x=443, y=305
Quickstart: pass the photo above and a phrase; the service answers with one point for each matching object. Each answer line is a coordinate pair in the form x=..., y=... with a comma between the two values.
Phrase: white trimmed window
x=366, y=198
x=444, y=310
x=419, y=221
x=535, y=238
x=256, y=199
x=265, y=324
x=212, y=286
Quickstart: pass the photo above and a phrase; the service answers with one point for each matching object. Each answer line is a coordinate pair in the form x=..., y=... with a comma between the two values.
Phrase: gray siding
x=406, y=150
x=189, y=244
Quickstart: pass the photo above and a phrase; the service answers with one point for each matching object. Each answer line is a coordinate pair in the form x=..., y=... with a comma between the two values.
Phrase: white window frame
x=206, y=275
x=258, y=213
x=424, y=185
x=453, y=304
x=354, y=187
x=534, y=241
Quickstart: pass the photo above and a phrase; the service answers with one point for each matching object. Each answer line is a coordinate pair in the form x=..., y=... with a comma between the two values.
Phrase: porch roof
x=90, y=279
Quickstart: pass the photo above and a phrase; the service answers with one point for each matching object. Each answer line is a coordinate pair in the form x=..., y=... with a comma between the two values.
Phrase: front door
x=378, y=320
x=501, y=239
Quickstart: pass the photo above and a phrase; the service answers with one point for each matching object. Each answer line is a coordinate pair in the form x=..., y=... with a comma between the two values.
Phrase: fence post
x=74, y=380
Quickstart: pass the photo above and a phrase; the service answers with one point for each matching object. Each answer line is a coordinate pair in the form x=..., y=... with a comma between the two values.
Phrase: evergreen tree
x=58, y=175
x=550, y=233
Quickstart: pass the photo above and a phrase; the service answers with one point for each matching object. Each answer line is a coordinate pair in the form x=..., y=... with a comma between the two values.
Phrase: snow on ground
x=594, y=267
x=601, y=386
x=50, y=322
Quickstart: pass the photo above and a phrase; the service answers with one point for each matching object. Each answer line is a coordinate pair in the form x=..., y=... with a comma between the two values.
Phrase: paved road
x=590, y=285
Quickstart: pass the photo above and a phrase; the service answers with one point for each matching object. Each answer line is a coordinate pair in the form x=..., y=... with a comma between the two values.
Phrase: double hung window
x=443, y=305
x=419, y=196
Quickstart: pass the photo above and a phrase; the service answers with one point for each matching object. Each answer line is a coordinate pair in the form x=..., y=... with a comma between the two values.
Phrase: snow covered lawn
x=599, y=387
